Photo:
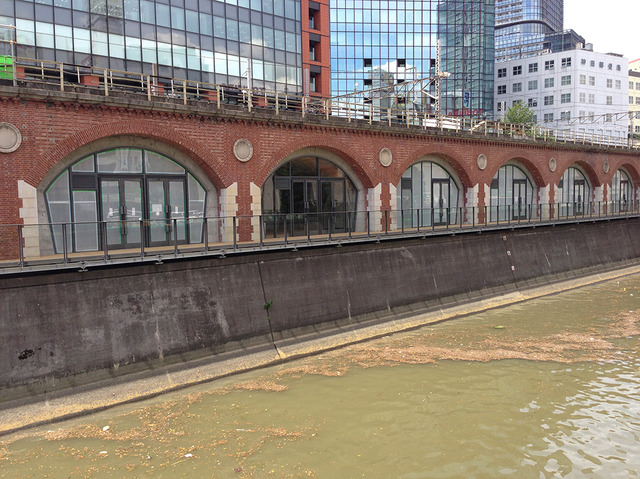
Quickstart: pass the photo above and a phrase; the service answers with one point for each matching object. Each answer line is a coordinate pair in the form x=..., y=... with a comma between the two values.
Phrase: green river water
x=547, y=388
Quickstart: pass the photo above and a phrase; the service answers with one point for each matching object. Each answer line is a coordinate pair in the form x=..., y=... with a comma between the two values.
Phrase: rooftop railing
x=42, y=247
x=113, y=83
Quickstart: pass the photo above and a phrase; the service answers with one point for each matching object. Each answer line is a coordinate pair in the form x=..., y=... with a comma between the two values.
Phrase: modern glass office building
x=375, y=44
x=202, y=40
x=521, y=26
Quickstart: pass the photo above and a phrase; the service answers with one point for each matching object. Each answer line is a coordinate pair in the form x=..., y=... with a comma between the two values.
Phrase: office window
x=532, y=102
x=609, y=83
x=592, y=81
x=517, y=70
x=565, y=98
x=583, y=79
x=549, y=82
x=548, y=100
x=566, y=62
x=637, y=85
x=516, y=102
x=533, y=67
x=582, y=98
x=637, y=128
x=592, y=63
x=618, y=68
x=600, y=64
x=502, y=89
x=610, y=66
x=548, y=117
x=592, y=97
x=630, y=100
x=517, y=87
x=533, y=84
x=630, y=85
x=502, y=72
x=549, y=64
x=565, y=80
x=618, y=85
x=502, y=105
x=609, y=100
x=583, y=61
x=638, y=100
x=565, y=115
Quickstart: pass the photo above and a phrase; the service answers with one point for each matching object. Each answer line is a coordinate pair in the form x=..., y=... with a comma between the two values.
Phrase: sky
x=610, y=25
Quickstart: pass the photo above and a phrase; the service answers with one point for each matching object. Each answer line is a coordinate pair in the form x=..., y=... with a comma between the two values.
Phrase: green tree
x=519, y=114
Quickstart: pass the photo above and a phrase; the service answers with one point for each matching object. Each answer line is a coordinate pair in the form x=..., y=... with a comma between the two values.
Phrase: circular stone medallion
x=10, y=138
x=482, y=161
x=243, y=150
x=385, y=157
x=605, y=166
x=553, y=164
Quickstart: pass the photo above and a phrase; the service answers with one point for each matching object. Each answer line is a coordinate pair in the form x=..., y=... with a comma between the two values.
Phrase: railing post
x=304, y=106
x=235, y=229
x=65, y=253
x=402, y=221
x=249, y=100
x=20, y=239
x=141, y=239
x=106, y=83
x=473, y=217
x=349, y=223
x=368, y=218
x=175, y=236
x=386, y=222
x=184, y=92
x=218, y=97
x=61, y=77
x=205, y=225
x=148, y=87
x=306, y=227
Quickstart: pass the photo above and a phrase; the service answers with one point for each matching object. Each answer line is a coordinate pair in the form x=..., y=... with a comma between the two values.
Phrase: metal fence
x=113, y=83
x=84, y=245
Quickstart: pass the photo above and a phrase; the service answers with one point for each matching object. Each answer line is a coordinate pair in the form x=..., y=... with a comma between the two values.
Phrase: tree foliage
x=519, y=114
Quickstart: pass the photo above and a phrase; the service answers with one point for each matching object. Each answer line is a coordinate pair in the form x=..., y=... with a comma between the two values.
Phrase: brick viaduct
x=57, y=128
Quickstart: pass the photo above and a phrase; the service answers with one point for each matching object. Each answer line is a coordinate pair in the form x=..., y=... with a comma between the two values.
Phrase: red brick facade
x=54, y=132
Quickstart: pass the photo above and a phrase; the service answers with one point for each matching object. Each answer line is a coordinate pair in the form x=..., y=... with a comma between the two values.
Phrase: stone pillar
x=29, y=215
x=374, y=207
x=394, y=207
x=256, y=210
x=228, y=211
x=544, y=201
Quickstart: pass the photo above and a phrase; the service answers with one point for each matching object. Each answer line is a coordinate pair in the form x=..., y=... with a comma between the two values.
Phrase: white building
x=577, y=90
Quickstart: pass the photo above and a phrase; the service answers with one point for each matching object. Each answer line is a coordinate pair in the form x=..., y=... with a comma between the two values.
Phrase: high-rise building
x=577, y=90
x=377, y=44
x=521, y=26
x=272, y=44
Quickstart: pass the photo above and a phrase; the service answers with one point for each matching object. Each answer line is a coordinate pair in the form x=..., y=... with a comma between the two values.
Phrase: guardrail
x=83, y=245
x=107, y=82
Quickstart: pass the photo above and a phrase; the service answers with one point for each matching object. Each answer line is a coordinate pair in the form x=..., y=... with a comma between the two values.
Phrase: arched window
x=308, y=195
x=621, y=195
x=512, y=195
x=574, y=193
x=124, y=197
x=428, y=195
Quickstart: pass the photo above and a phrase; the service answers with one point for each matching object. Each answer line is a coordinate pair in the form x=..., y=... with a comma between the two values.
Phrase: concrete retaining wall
x=64, y=323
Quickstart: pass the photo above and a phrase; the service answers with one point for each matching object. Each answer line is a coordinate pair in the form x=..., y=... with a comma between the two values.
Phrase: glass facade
x=428, y=196
x=574, y=193
x=308, y=196
x=123, y=197
x=521, y=26
x=377, y=43
x=621, y=195
x=512, y=195
x=201, y=40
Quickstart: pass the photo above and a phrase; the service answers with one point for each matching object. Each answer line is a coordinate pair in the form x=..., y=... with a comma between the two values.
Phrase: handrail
x=110, y=82
x=37, y=247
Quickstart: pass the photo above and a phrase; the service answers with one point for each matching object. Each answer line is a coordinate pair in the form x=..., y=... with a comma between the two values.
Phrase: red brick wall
x=53, y=130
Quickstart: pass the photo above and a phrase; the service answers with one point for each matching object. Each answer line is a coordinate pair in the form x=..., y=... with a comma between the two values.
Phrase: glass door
x=166, y=211
x=122, y=211
x=305, y=207
x=578, y=197
x=624, y=195
x=440, y=201
x=519, y=208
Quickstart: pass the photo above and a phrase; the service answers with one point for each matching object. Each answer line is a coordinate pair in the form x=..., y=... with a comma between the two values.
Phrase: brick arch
x=343, y=150
x=135, y=128
x=450, y=160
x=631, y=169
x=588, y=170
x=529, y=165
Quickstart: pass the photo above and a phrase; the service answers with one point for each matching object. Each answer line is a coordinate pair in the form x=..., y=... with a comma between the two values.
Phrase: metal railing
x=37, y=247
x=113, y=83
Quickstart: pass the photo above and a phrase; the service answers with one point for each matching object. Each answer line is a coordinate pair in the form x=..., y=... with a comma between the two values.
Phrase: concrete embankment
x=152, y=328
